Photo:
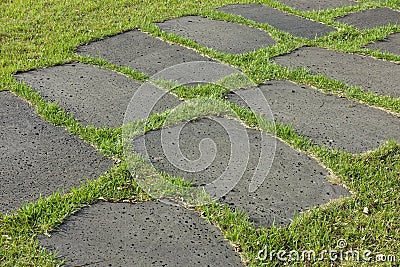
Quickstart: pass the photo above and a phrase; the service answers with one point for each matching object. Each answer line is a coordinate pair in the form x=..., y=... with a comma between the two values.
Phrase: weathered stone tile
x=325, y=119
x=283, y=21
x=150, y=233
x=372, y=18
x=223, y=36
x=390, y=45
x=294, y=183
x=307, y=5
x=140, y=51
x=369, y=73
x=95, y=96
x=38, y=158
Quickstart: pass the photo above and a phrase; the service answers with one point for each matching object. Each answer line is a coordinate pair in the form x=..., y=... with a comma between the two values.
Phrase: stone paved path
x=294, y=183
x=341, y=123
x=38, y=158
x=222, y=36
x=389, y=45
x=145, y=234
x=369, y=73
x=140, y=51
x=307, y=5
x=371, y=18
x=95, y=96
x=280, y=20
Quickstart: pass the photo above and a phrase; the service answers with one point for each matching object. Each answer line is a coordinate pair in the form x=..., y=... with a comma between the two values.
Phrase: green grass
x=36, y=34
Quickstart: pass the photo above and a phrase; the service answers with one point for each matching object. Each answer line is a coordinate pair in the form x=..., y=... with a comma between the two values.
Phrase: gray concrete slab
x=325, y=119
x=38, y=158
x=372, y=18
x=223, y=36
x=307, y=5
x=294, y=183
x=374, y=75
x=140, y=51
x=281, y=20
x=95, y=96
x=145, y=234
x=390, y=45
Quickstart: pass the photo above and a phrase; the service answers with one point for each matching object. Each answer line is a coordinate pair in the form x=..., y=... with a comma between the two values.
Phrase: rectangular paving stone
x=374, y=75
x=95, y=96
x=140, y=51
x=325, y=119
x=372, y=18
x=38, y=158
x=309, y=5
x=294, y=183
x=283, y=21
x=145, y=234
x=223, y=36
x=390, y=45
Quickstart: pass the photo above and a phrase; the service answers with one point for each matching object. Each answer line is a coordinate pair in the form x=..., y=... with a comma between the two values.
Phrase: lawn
x=36, y=34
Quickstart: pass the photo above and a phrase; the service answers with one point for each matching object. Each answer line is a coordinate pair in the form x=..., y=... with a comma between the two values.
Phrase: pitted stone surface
x=95, y=96
x=295, y=181
x=326, y=119
x=390, y=45
x=371, y=18
x=223, y=36
x=140, y=51
x=307, y=5
x=38, y=158
x=145, y=234
x=369, y=73
x=280, y=20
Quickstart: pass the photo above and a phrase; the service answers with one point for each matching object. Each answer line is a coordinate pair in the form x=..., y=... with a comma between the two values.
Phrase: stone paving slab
x=95, y=96
x=369, y=73
x=38, y=158
x=326, y=119
x=371, y=18
x=390, y=45
x=145, y=234
x=223, y=36
x=295, y=181
x=283, y=21
x=307, y=5
x=140, y=51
